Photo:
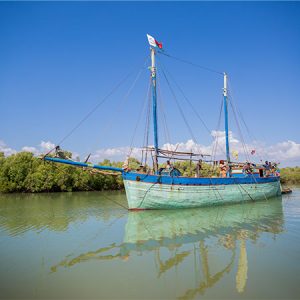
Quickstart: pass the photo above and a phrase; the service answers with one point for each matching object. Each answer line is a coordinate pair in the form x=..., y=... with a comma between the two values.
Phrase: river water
x=87, y=246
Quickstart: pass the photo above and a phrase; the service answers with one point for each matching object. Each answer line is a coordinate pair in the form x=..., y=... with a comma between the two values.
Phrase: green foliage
x=134, y=164
x=188, y=168
x=23, y=172
x=14, y=170
x=290, y=175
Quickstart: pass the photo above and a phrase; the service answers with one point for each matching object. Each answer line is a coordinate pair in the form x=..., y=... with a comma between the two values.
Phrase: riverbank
x=290, y=175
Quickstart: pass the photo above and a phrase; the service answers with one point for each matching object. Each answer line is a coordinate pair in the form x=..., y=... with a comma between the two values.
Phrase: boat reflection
x=229, y=224
x=194, y=234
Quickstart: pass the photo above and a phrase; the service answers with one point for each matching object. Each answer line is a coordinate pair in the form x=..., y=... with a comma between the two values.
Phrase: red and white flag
x=153, y=42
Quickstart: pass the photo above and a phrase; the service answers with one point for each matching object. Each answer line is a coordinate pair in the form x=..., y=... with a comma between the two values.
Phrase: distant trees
x=24, y=172
x=188, y=168
x=14, y=170
x=290, y=175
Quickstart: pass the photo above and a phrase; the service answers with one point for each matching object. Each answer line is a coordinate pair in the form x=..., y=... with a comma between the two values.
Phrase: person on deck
x=60, y=153
x=199, y=168
x=267, y=168
x=277, y=170
x=247, y=168
x=142, y=169
x=125, y=165
x=223, y=168
x=169, y=165
x=272, y=168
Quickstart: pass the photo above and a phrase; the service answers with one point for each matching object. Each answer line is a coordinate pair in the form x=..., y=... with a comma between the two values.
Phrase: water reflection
x=20, y=213
x=229, y=224
x=214, y=238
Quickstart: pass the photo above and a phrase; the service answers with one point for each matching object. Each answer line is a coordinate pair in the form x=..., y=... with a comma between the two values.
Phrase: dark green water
x=84, y=246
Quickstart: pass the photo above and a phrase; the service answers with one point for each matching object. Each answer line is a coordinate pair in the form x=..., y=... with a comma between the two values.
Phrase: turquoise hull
x=147, y=195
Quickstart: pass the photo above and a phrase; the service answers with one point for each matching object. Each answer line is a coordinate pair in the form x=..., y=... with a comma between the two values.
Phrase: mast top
x=153, y=42
x=225, y=84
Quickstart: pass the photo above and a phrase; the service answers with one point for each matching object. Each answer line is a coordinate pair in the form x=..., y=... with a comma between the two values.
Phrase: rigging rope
x=160, y=99
x=191, y=63
x=246, y=150
x=187, y=100
x=115, y=88
x=147, y=125
x=251, y=136
x=240, y=132
x=122, y=102
x=143, y=108
x=179, y=107
x=216, y=141
x=215, y=145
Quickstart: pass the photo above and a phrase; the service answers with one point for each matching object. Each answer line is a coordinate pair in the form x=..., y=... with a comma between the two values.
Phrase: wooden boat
x=166, y=188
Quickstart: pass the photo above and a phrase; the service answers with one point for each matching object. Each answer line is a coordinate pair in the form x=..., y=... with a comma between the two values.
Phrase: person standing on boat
x=267, y=168
x=277, y=170
x=169, y=165
x=223, y=168
x=247, y=169
x=125, y=165
x=199, y=168
x=272, y=169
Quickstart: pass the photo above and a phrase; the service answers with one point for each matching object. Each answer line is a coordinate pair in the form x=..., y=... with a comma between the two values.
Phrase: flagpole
x=154, y=107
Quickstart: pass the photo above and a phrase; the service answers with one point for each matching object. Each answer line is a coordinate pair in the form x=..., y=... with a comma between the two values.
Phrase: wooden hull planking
x=146, y=195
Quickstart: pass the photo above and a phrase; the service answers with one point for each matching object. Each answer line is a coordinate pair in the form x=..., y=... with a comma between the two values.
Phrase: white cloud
x=30, y=149
x=46, y=146
x=286, y=152
x=6, y=150
x=40, y=149
x=115, y=154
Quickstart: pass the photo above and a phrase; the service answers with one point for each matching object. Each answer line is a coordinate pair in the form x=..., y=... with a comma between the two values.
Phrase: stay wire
x=115, y=88
x=123, y=100
x=164, y=121
x=196, y=112
x=147, y=125
x=179, y=107
x=160, y=98
x=147, y=121
x=244, y=146
x=143, y=108
x=216, y=142
x=187, y=100
x=191, y=63
x=240, y=132
x=251, y=136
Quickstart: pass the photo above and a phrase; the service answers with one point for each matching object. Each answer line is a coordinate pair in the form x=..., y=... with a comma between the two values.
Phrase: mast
x=154, y=107
x=226, y=117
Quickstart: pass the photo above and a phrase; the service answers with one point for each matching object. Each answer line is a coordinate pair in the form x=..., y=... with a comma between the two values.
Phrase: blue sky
x=58, y=60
